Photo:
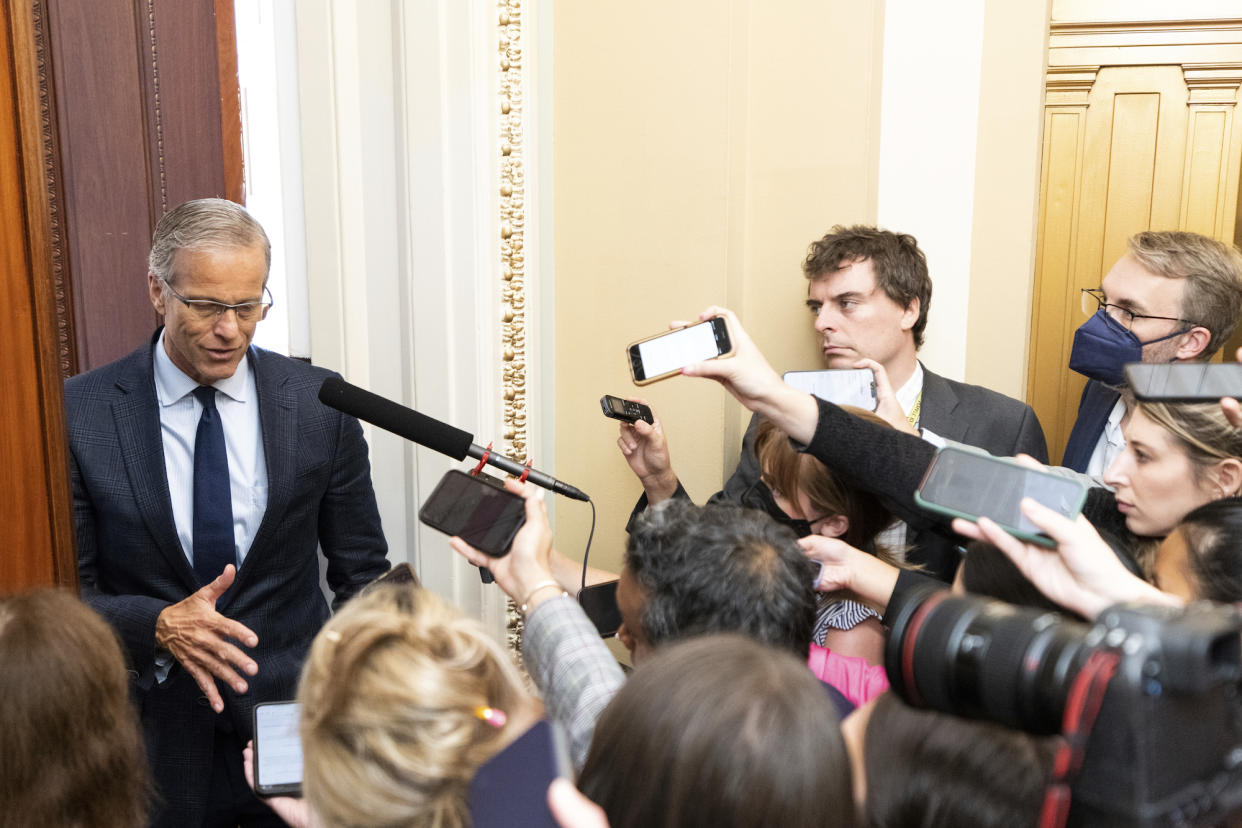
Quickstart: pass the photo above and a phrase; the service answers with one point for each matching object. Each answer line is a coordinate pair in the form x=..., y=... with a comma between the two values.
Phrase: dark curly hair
x=706, y=569
x=900, y=266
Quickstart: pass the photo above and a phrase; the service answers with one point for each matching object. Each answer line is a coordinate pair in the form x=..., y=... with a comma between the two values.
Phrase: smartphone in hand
x=476, y=508
x=969, y=483
x=665, y=354
x=842, y=386
x=511, y=788
x=277, y=749
x=1184, y=381
x=599, y=602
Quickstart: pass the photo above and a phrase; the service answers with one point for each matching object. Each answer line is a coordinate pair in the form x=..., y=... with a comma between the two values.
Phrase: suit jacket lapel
x=137, y=418
x=939, y=404
x=279, y=426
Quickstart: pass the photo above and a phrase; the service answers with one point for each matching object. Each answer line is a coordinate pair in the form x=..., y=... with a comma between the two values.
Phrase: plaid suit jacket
x=131, y=564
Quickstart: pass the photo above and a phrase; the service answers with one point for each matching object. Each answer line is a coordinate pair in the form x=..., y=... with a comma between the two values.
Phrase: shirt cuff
x=163, y=664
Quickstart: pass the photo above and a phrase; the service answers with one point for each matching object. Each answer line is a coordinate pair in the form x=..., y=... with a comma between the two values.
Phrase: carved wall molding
x=67, y=361
x=1069, y=85
x=157, y=112
x=1197, y=44
x=513, y=331
x=512, y=228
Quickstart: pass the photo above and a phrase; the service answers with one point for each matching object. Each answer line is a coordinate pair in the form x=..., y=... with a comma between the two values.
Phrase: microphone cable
x=587, y=552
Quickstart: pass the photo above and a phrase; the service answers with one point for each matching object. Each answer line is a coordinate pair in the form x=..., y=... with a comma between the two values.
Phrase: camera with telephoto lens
x=1166, y=746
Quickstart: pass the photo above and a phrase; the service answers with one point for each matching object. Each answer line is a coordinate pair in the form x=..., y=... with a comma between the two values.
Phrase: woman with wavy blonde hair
x=402, y=699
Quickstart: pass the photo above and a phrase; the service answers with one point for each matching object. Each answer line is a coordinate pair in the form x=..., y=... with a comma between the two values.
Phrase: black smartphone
x=969, y=483
x=843, y=386
x=1185, y=381
x=599, y=602
x=630, y=412
x=663, y=355
x=511, y=788
x=402, y=573
x=476, y=508
x=277, y=749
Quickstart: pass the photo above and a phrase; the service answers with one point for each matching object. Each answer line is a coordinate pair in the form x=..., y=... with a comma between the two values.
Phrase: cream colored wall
x=698, y=148
x=1007, y=159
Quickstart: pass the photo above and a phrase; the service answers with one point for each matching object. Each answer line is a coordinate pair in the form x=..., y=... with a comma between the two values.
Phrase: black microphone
x=428, y=431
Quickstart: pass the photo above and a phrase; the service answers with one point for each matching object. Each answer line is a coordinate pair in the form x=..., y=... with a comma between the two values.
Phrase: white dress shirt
x=238, y=404
x=1110, y=444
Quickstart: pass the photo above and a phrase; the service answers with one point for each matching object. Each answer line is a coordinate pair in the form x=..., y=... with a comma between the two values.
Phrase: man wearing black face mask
x=1173, y=297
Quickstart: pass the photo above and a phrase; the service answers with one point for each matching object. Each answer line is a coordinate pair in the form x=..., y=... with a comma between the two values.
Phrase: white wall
x=928, y=130
x=272, y=156
x=393, y=123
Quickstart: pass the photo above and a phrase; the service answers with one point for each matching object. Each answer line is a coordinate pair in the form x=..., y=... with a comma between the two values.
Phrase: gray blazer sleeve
x=572, y=668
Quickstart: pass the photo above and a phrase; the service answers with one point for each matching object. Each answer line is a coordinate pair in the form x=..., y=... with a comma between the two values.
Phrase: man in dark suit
x=869, y=292
x=1173, y=297
x=205, y=475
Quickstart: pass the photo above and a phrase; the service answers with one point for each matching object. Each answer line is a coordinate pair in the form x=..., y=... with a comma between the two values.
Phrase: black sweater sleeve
x=875, y=458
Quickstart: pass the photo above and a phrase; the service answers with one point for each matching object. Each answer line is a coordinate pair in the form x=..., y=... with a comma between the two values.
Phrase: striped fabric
x=839, y=614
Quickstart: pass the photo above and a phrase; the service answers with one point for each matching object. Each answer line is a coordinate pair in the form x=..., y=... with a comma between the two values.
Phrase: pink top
x=858, y=681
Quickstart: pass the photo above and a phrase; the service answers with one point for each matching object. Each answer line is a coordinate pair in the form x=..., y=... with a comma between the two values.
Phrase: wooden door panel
x=1126, y=148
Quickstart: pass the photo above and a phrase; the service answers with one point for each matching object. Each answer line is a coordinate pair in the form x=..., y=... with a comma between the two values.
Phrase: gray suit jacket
x=132, y=566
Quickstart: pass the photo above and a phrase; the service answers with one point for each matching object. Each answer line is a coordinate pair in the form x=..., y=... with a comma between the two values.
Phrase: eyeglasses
x=1093, y=300
x=205, y=309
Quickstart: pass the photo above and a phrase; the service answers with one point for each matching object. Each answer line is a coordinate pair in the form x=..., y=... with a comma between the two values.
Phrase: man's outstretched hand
x=199, y=638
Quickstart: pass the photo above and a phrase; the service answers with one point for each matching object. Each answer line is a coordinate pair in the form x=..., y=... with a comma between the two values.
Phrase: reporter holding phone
x=869, y=293
x=402, y=700
x=1177, y=457
x=561, y=648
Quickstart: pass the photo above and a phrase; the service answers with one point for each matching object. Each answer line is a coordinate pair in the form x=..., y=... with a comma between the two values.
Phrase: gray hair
x=204, y=223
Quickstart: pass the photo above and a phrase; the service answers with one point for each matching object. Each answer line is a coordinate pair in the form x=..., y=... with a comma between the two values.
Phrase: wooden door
x=1140, y=132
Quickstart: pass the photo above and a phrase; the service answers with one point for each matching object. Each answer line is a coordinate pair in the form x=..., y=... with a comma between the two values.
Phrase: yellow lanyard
x=913, y=417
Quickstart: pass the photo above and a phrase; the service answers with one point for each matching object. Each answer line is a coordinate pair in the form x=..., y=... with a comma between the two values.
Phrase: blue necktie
x=213, y=499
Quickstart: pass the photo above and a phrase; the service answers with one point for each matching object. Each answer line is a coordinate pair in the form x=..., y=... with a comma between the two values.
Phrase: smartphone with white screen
x=843, y=386
x=663, y=355
x=970, y=484
x=1184, y=381
x=277, y=750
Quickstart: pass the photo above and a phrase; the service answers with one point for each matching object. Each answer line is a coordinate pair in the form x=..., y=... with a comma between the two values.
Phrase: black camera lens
x=986, y=659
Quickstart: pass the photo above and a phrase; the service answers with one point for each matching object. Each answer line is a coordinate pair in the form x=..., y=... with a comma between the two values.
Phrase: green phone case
x=978, y=456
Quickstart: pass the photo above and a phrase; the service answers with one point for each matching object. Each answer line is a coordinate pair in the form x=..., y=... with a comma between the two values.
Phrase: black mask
x=759, y=496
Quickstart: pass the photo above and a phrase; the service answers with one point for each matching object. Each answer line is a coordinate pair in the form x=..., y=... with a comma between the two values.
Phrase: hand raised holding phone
x=663, y=355
x=749, y=378
x=526, y=568
x=1081, y=573
x=645, y=449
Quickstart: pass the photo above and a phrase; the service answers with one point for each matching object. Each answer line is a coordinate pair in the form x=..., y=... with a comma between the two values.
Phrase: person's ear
x=910, y=316
x=1192, y=344
x=155, y=290
x=834, y=527
x=627, y=640
x=1227, y=476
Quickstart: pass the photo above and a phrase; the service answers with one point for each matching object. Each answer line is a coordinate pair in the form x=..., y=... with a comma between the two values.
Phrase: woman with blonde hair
x=402, y=699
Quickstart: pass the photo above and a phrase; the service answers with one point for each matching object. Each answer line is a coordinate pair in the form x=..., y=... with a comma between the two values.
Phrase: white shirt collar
x=172, y=384
x=908, y=394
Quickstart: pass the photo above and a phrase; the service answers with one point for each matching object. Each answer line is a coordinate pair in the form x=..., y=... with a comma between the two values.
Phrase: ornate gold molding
x=512, y=246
